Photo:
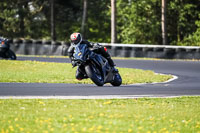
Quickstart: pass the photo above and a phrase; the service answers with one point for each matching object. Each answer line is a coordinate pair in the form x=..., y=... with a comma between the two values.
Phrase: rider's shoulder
x=4, y=39
x=85, y=42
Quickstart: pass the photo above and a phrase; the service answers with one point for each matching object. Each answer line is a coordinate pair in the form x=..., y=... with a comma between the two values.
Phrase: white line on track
x=170, y=80
x=93, y=97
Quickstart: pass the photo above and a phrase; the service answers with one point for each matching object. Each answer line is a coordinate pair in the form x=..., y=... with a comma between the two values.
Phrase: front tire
x=94, y=74
x=11, y=55
x=117, y=80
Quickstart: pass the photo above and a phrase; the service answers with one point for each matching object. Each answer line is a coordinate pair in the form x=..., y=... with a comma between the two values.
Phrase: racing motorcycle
x=5, y=51
x=95, y=66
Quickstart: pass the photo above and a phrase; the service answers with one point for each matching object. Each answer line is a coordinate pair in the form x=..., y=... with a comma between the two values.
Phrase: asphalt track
x=187, y=84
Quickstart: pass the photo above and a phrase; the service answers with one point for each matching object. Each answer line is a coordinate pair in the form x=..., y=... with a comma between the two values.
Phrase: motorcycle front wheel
x=11, y=55
x=117, y=80
x=94, y=74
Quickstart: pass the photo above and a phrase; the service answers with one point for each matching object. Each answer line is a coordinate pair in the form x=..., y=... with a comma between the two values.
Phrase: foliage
x=68, y=18
x=194, y=38
x=137, y=21
x=18, y=19
x=31, y=19
x=145, y=115
x=41, y=72
x=98, y=25
x=140, y=21
x=182, y=16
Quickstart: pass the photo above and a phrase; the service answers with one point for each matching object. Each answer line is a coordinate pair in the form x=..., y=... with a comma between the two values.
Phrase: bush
x=194, y=38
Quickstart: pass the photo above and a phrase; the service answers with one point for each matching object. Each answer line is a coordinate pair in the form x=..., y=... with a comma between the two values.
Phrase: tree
x=194, y=38
x=98, y=21
x=139, y=21
x=163, y=22
x=182, y=16
x=84, y=17
x=53, y=33
x=113, y=22
x=22, y=18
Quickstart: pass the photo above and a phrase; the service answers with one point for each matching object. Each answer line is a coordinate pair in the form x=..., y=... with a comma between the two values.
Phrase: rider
x=4, y=43
x=76, y=39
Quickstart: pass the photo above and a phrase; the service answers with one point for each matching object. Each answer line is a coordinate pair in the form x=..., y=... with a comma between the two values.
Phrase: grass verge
x=45, y=72
x=145, y=115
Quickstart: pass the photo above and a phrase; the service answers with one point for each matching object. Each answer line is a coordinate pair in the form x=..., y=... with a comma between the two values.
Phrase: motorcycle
x=5, y=51
x=95, y=66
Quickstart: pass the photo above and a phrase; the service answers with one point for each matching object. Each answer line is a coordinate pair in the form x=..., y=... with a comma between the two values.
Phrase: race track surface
x=187, y=84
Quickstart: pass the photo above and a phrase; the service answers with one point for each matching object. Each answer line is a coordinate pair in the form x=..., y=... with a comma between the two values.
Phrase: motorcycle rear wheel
x=94, y=74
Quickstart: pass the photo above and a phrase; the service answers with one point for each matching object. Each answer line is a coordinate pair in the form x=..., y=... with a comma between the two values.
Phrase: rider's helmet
x=76, y=38
x=2, y=39
x=4, y=42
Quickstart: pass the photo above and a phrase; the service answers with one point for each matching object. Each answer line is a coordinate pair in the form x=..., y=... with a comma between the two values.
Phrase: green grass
x=45, y=72
x=145, y=115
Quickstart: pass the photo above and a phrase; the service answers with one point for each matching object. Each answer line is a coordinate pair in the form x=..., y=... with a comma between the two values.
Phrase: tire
x=117, y=80
x=11, y=55
x=94, y=75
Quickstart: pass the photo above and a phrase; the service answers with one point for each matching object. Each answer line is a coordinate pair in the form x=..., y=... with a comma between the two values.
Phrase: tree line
x=137, y=22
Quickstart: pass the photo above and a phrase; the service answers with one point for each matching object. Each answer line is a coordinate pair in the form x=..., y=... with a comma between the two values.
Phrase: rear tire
x=94, y=74
x=117, y=80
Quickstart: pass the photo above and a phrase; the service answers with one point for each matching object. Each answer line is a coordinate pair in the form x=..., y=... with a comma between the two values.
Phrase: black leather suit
x=97, y=49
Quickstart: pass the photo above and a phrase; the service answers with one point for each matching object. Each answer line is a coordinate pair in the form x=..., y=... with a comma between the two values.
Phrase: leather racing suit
x=97, y=49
